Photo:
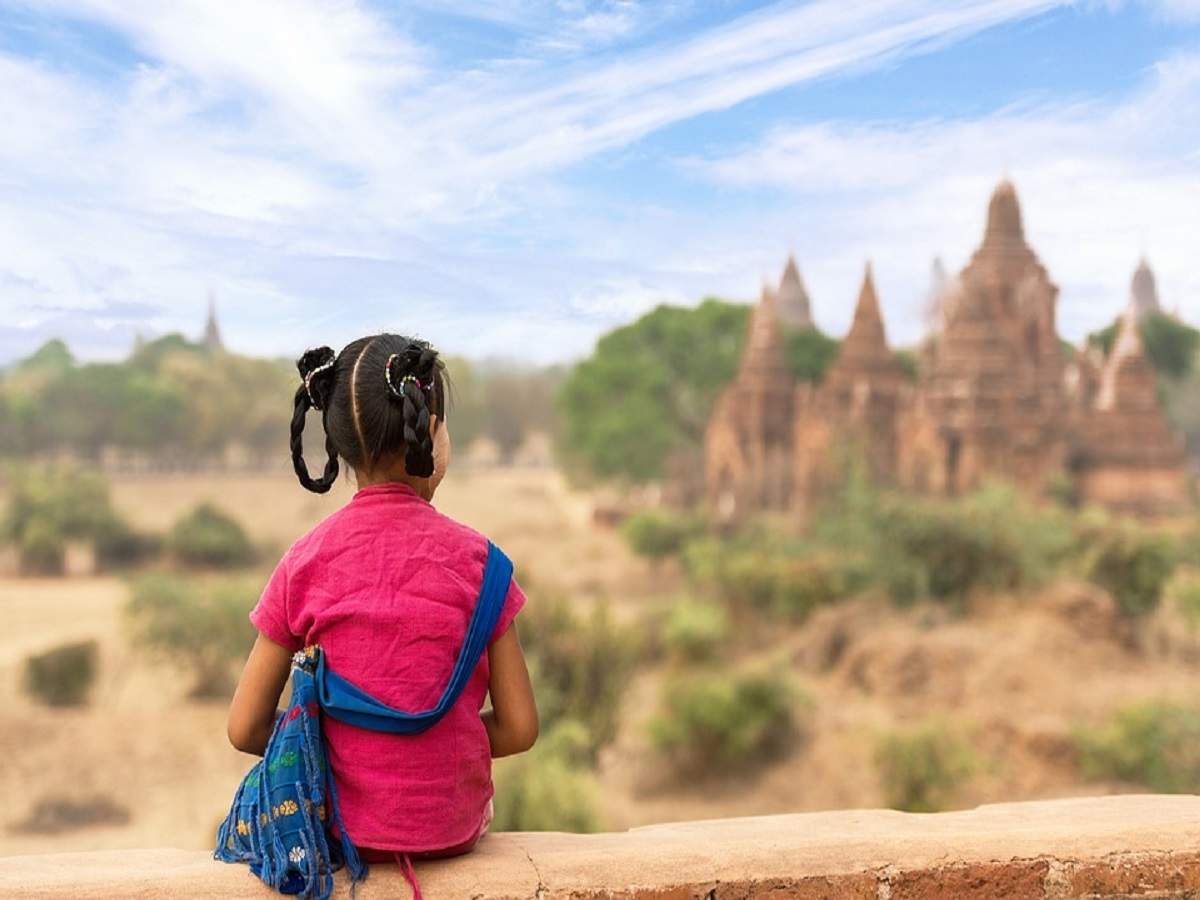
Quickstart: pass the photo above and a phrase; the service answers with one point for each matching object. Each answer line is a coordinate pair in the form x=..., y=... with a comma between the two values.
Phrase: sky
x=512, y=178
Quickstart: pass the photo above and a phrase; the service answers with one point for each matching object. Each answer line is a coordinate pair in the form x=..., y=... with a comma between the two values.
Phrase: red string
x=406, y=869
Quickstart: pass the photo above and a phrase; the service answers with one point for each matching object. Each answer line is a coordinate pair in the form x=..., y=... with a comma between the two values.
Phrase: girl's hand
x=252, y=712
x=512, y=722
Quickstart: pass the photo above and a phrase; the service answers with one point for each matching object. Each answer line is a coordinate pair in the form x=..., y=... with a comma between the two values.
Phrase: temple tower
x=212, y=334
x=1143, y=291
x=795, y=308
x=1129, y=458
x=995, y=390
x=747, y=444
x=854, y=409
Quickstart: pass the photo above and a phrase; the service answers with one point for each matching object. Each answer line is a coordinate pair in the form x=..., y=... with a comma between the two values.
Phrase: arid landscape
x=1013, y=676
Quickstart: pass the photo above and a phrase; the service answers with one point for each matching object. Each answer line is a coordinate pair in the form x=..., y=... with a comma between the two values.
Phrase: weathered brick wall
x=1128, y=846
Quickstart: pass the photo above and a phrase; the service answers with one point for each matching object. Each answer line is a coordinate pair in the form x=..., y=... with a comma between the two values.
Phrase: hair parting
x=377, y=398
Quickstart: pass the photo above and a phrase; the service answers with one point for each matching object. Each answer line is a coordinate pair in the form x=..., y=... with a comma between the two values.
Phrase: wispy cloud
x=1101, y=183
x=314, y=162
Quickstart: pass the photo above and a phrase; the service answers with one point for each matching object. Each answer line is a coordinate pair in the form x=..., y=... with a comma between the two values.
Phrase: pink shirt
x=386, y=585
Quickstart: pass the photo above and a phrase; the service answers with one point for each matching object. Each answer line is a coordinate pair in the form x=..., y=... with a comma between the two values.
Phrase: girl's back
x=387, y=586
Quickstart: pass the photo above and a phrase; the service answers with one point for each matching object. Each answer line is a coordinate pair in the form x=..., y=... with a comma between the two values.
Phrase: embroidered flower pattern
x=263, y=819
x=243, y=827
x=296, y=854
x=285, y=759
x=286, y=808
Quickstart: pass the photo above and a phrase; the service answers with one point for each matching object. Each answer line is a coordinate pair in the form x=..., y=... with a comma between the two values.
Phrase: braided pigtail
x=411, y=380
x=317, y=369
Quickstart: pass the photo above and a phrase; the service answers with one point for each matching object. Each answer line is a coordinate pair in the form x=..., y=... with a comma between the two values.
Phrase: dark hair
x=375, y=399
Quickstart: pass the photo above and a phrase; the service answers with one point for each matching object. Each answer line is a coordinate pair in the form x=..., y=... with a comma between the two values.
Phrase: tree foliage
x=648, y=389
x=1171, y=345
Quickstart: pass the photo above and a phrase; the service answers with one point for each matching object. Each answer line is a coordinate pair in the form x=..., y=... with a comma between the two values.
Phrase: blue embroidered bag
x=280, y=819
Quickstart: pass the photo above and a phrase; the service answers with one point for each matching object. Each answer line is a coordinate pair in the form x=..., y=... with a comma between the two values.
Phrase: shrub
x=62, y=676
x=58, y=813
x=50, y=505
x=917, y=548
x=119, y=547
x=716, y=722
x=657, y=534
x=1155, y=744
x=550, y=787
x=755, y=573
x=41, y=548
x=204, y=625
x=208, y=537
x=694, y=630
x=580, y=665
x=1130, y=563
x=922, y=769
x=1184, y=591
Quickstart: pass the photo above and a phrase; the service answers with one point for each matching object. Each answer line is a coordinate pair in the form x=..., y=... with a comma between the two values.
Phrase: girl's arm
x=252, y=712
x=512, y=722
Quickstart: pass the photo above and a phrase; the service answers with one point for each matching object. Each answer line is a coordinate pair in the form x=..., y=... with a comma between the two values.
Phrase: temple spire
x=1143, y=291
x=866, y=331
x=212, y=334
x=794, y=306
x=1127, y=380
x=1004, y=216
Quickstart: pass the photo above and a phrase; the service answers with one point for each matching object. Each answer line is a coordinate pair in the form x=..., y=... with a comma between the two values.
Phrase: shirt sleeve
x=513, y=601
x=269, y=615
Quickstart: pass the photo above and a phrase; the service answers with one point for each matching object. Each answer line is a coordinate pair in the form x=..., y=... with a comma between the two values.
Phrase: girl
x=386, y=585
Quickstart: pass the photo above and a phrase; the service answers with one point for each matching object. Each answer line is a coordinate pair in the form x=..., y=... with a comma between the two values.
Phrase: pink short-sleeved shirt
x=386, y=585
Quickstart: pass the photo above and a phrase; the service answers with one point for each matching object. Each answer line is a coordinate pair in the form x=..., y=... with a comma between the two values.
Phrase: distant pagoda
x=212, y=333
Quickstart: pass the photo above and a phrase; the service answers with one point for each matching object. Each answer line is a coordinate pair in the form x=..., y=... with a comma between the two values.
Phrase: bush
x=716, y=722
x=50, y=505
x=204, y=625
x=942, y=549
x=753, y=572
x=580, y=666
x=657, y=533
x=1184, y=591
x=695, y=630
x=1131, y=564
x=62, y=676
x=58, y=813
x=208, y=537
x=120, y=547
x=1153, y=744
x=549, y=788
x=41, y=548
x=922, y=769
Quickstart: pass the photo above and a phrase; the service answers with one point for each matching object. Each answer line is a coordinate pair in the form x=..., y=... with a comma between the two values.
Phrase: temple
x=997, y=396
x=212, y=333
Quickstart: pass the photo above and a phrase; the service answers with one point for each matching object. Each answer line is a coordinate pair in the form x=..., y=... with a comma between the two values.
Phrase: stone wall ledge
x=1123, y=846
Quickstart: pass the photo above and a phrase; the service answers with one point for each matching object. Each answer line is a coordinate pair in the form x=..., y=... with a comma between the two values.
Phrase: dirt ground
x=1015, y=676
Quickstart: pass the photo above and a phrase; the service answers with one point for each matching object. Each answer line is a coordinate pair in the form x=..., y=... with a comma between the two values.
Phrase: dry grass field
x=1015, y=676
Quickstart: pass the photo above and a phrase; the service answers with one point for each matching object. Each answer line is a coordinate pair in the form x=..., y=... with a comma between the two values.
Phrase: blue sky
x=514, y=177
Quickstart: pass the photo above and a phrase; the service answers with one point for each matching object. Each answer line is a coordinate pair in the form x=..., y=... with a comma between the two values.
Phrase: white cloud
x=1100, y=184
x=309, y=156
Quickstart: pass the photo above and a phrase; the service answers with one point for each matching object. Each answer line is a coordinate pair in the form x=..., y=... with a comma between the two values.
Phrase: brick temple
x=997, y=396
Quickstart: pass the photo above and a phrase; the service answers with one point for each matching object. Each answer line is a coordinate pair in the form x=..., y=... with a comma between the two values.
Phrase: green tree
x=1171, y=345
x=649, y=388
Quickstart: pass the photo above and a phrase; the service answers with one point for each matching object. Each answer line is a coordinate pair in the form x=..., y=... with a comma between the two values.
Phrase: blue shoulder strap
x=347, y=703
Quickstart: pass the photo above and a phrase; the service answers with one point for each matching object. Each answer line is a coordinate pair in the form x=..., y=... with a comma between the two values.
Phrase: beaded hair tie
x=309, y=377
x=399, y=390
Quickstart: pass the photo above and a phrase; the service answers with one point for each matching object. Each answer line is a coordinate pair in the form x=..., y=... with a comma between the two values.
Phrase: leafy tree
x=649, y=388
x=809, y=354
x=1171, y=345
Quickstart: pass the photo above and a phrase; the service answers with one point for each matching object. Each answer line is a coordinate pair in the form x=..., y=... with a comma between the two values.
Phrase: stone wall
x=1126, y=846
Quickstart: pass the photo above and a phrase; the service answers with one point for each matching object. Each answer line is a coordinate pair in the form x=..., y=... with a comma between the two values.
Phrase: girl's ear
x=441, y=450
